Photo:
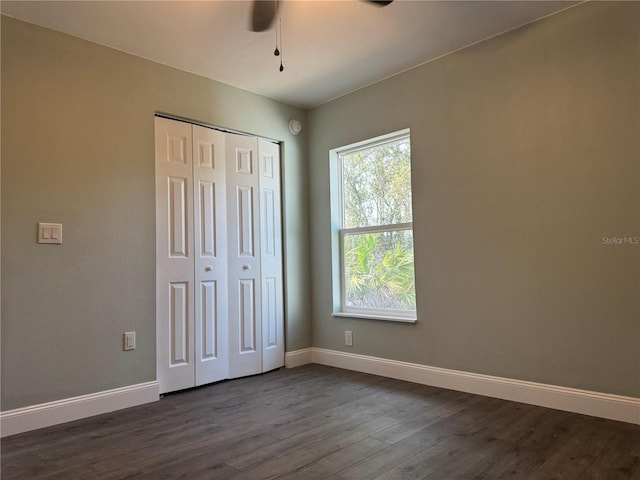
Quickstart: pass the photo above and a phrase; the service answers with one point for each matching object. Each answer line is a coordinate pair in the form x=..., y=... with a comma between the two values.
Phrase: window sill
x=368, y=316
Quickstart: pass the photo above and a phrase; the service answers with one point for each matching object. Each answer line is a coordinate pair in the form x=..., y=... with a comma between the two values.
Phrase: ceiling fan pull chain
x=281, y=46
x=276, y=52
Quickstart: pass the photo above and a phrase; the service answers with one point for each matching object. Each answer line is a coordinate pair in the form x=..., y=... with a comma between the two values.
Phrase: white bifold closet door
x=219, y=262
x=255, y=266
x=272, y=297
x=210, y=261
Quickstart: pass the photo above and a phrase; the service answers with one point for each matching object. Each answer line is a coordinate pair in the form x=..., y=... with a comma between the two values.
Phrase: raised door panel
x=271, y=256
x=210, y=262
x=180, y=331
x=178, y=211
x=245, y=308
x=270, y=318
x=210, y=321
x=247, y=315
x=174, y=255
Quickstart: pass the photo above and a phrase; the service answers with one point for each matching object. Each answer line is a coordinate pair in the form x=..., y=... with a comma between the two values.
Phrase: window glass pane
x=376, y=185
x=379, y=270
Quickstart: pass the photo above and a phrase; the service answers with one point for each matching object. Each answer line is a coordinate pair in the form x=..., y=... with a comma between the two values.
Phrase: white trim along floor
x=69, y=409
x=613, y=407
x=604, y=405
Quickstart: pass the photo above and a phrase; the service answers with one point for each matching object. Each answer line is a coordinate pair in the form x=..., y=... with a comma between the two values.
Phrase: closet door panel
x=174, y=255
x=271, y=256
x=245, y=316
x=210, y=259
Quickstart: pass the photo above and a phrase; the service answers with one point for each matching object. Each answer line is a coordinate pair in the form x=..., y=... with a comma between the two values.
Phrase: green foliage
x=379, y=272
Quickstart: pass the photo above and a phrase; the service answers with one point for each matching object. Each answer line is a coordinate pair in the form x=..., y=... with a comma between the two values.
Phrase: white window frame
x=339, y=233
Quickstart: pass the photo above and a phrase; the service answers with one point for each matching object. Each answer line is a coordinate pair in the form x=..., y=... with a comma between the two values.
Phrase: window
x=373, y=230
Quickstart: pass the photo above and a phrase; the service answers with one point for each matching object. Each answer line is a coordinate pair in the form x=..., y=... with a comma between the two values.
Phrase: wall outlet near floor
x=129, y=340
x=348, y=338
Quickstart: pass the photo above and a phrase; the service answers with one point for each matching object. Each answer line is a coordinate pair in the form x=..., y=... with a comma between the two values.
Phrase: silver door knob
x=208, y=268
x=246, y=267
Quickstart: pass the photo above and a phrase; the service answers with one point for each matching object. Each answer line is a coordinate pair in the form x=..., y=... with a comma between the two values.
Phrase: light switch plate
x=129, y=340
x=50, y=233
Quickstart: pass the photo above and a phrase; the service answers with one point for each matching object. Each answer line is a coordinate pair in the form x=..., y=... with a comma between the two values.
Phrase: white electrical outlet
x=348, y=338
x=129, y=340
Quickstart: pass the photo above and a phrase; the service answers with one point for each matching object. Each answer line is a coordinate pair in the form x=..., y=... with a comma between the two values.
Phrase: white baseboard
x=614, y=407
x=297, y=358
x=69, y=409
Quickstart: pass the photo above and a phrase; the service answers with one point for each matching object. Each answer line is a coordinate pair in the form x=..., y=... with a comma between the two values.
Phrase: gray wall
x=525, y=153
x=78, y=148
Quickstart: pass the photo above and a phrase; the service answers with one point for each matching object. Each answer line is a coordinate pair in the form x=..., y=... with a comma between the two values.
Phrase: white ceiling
x=330, y=47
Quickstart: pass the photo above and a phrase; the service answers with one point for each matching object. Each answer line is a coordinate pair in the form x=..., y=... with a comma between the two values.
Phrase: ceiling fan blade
x=262, y=14
x=379, y=3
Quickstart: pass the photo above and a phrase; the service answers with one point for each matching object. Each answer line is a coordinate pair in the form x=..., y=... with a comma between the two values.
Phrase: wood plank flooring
x=322, y=423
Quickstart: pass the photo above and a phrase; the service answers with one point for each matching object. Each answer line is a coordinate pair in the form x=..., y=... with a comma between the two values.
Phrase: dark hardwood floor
x=317, y=422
